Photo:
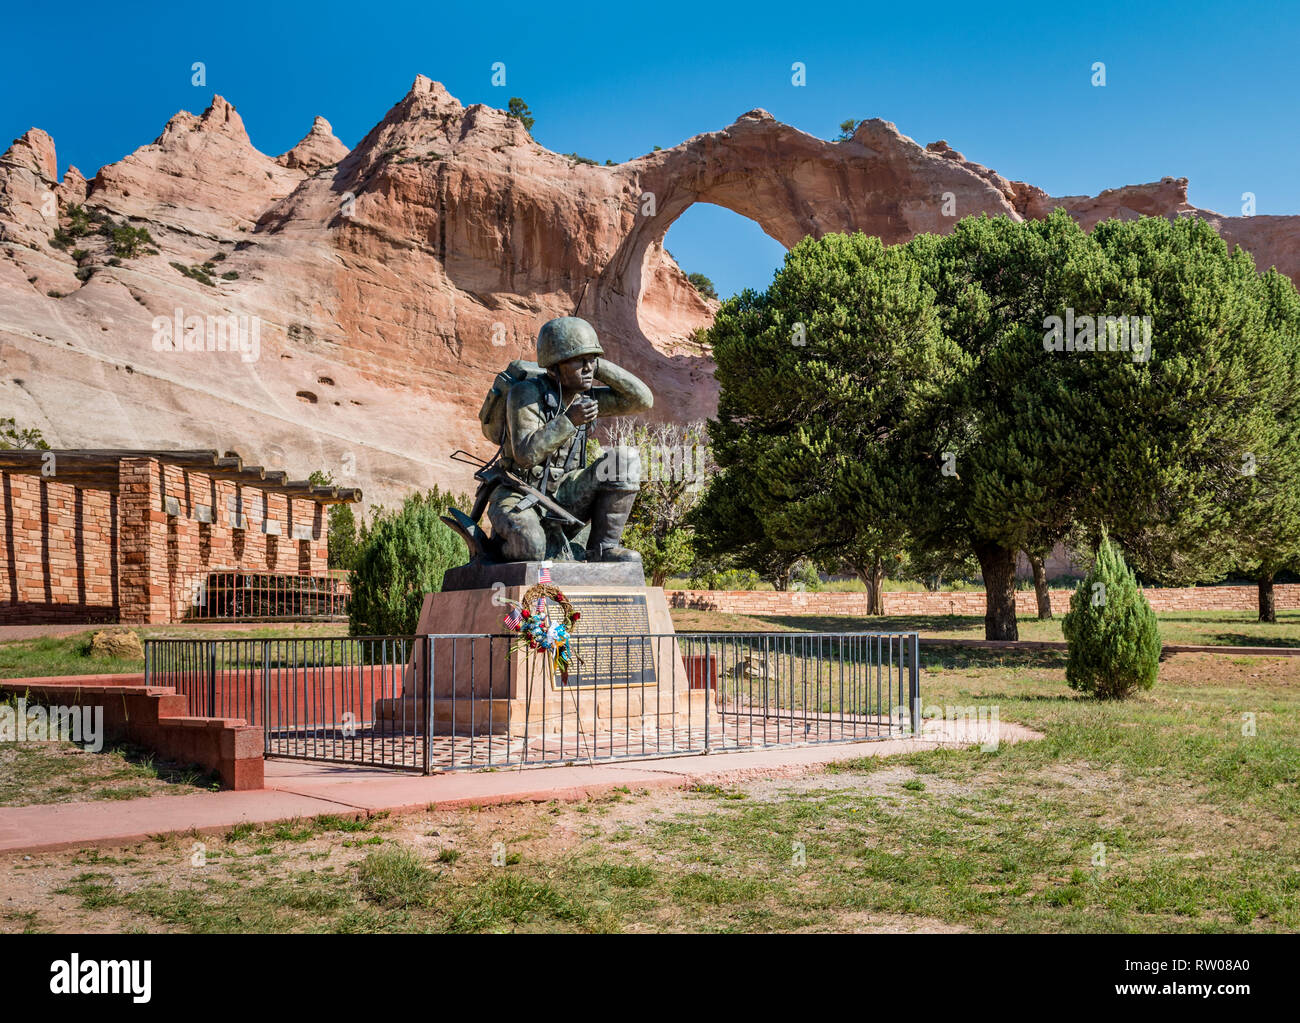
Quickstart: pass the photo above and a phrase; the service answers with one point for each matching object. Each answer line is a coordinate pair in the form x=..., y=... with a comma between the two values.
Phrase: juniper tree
x=343, y=543
x=703, y=285
x=1147, y=442
x=1266, y=519
x=1003, y=459
x=1114, y=640
x=518, y=110
x=1174, y=437
x=403, y=556
x=820, y=377
x=878, y=397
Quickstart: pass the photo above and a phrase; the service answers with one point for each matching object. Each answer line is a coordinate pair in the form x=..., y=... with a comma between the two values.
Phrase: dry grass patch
x=60, y=772
x=1155, y=814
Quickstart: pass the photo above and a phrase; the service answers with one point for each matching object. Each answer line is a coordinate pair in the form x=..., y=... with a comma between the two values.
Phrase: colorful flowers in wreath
x=530, y=619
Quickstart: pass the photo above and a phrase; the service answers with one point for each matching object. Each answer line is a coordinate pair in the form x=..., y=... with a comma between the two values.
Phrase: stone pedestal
x=483, y=575
x=485, y=681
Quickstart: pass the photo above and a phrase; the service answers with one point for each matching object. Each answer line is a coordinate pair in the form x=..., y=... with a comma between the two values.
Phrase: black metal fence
x=444, y=702
x=268, y=596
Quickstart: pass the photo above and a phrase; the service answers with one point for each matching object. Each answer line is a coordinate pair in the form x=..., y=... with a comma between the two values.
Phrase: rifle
x=491, y=475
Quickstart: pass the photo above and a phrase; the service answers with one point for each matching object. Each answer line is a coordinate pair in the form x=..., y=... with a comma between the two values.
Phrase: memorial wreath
x=529, y=617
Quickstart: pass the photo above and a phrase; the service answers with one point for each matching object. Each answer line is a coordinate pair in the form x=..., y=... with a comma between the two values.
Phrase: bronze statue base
x=480, y=575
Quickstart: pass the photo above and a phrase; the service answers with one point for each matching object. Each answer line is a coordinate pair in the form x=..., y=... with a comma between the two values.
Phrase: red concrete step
x=159, y=719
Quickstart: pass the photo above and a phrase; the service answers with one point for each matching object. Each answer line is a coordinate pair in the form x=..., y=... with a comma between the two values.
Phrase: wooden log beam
x=108, y=455
x=98, y=469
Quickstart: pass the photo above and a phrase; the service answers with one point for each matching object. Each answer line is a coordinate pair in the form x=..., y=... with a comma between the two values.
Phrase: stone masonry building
x=158, y=536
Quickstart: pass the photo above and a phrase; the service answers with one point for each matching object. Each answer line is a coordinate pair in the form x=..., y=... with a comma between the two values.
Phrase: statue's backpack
x=493, y=413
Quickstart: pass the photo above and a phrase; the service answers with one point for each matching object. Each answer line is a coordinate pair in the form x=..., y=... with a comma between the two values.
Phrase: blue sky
x=1193, y=89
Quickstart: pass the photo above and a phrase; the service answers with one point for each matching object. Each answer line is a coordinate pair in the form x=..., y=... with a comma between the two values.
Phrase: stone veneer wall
x=58, y=545
x=169, y=555
x=80, y=555
x=971, y=602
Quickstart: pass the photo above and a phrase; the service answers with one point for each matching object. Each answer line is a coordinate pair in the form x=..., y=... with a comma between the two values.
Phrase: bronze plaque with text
x=610, y=641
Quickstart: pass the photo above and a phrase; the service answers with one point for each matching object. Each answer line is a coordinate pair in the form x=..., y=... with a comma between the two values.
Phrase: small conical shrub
x=1112, y=631
x=402, y=558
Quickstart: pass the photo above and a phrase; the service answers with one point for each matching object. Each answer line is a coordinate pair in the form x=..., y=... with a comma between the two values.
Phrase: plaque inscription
x=610, y=641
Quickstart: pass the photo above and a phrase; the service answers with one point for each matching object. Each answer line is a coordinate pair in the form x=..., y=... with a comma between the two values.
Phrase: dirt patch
x=1246, y=671
x=1079, y=778
x=890, y=781
x=870, y=923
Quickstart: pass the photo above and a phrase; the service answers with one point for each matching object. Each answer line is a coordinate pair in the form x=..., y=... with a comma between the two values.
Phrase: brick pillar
x=142, y=545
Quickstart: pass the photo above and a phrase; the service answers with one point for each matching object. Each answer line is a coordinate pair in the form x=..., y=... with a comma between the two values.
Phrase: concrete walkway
x=296, y=789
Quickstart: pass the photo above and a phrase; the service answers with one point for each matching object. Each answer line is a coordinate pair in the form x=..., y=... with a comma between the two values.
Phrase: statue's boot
x=608, y=518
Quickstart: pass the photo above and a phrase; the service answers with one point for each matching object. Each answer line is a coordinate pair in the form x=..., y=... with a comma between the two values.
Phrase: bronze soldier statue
x=542, y=498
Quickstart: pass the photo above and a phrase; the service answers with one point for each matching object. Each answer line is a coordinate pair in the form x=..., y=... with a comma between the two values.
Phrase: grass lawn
x=1153, y=814
x=1192, y=628
x=70, y=655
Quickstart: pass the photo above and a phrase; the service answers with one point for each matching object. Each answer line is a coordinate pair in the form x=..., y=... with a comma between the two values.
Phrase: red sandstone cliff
x=392, y=281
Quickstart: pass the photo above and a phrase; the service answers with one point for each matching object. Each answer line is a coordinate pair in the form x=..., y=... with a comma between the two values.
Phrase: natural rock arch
x=408, y=270
x=792, y=185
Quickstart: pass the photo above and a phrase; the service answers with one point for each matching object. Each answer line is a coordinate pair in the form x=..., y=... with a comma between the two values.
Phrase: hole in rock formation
x=308, y=397
x=729, y=248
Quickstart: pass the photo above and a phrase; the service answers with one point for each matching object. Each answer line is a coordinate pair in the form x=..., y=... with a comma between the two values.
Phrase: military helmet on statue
x=564, y=339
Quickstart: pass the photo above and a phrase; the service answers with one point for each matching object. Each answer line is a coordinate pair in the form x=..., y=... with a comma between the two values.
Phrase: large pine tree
x=879, y=397
x=1005, y=459
x=1266, y=518
x=1170, y=436
x=821, y=378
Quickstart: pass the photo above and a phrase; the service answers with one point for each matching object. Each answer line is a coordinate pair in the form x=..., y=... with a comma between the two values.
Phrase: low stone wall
x=969, y=602
x=158, y=720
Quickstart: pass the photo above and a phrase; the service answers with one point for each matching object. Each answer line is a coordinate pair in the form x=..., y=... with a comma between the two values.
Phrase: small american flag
x=515, y=618
x=541, y=607
x=544, y=572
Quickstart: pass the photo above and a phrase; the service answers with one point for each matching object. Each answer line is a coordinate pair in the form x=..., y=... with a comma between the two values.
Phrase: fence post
x=266, y=696
x=148, y=662
x=212, y=678
x=914, y=681
x=708, y=696
x=426, y=687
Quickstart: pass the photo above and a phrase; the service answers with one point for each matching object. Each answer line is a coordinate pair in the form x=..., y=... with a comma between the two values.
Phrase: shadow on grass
x=1241, y=639
x=1284, y=617
x=957, y=657
x=173, y=772
x=923, y=624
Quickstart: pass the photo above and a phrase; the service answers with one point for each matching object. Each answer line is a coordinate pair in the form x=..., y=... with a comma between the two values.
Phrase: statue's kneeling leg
x=520, y=530
x=617, y=475
x=608, y=520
